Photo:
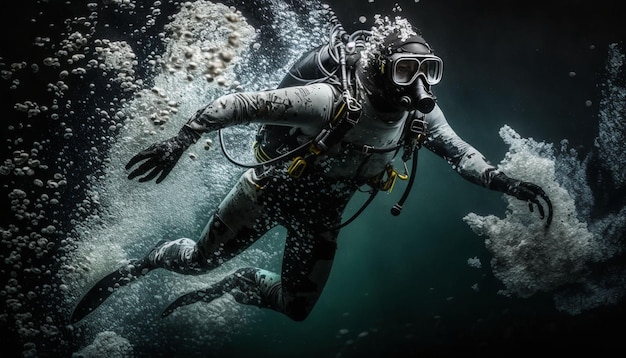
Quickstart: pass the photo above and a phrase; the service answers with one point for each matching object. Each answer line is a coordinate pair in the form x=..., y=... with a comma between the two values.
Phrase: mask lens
x=405, y=71
x=432, y=69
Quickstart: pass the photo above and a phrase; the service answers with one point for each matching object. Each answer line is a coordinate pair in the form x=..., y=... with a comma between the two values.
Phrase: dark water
x=400, y=286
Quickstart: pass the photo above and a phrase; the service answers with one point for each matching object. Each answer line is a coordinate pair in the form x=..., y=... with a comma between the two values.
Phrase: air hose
x=397, y=208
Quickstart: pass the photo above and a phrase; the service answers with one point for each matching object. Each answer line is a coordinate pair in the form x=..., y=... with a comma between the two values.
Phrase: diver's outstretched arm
x=307, y=107
x=473, y=166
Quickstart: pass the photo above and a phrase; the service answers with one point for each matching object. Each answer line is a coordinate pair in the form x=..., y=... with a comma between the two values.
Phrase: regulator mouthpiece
x=425, y=99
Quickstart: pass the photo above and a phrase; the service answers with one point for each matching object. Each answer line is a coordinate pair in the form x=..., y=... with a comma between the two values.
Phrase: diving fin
x=205, y=295
x=107, y=285
x=238, y=284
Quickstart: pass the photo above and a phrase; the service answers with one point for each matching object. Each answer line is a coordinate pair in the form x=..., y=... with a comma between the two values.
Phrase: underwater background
x=537, y=87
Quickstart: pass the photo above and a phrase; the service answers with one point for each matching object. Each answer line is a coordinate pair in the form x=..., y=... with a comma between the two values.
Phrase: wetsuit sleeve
x=307, y=107
x=464, y=158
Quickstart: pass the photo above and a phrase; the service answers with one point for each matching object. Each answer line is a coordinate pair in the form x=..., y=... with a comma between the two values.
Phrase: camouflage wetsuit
x=309, y=206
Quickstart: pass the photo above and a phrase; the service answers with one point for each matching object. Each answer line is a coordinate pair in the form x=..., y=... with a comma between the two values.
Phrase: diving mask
x=407, y=67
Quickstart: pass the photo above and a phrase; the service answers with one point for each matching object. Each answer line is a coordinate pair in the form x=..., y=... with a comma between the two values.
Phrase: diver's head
x=401, y=69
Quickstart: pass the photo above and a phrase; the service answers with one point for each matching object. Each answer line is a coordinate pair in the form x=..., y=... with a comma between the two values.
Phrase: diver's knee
x=183, y=256
x=246, y=273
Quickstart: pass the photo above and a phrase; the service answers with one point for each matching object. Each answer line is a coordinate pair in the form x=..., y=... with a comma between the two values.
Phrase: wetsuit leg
x=307, y=208
x=238, y=222
x=311, y=215
x=307, y=262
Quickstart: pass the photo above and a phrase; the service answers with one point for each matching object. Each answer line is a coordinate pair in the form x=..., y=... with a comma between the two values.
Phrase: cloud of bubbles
x=571, y=260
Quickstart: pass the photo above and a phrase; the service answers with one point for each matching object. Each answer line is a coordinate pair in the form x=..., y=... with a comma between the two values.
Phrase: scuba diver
x=333, y=126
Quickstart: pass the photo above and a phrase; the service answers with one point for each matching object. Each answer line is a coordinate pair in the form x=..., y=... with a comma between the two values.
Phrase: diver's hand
x=531, y=193
x=525, y=191
x=160, y=158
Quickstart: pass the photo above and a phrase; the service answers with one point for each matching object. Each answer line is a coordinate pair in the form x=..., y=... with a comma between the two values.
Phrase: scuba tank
x=314, y=66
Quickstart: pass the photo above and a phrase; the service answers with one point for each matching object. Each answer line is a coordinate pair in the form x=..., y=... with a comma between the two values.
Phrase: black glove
x=162, y=157
x=525, y=191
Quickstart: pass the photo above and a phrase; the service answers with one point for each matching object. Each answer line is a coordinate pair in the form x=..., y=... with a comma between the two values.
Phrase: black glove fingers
x=134, y=160
x=534, y=201
x=531, y=193
x=549, y=204
x=540, y=193
x=165, y=173
x=143, y=168
x=151, y=175
x=145, y=154
x=161, y=157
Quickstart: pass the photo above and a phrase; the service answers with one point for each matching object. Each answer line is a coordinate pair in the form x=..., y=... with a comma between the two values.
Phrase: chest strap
x=346, y=118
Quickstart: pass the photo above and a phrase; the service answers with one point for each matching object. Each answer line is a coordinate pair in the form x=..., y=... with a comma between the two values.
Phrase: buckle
x=365, y=149
x=418, y=126
x=354, y=110
x=297, y=167
x=320, y=139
